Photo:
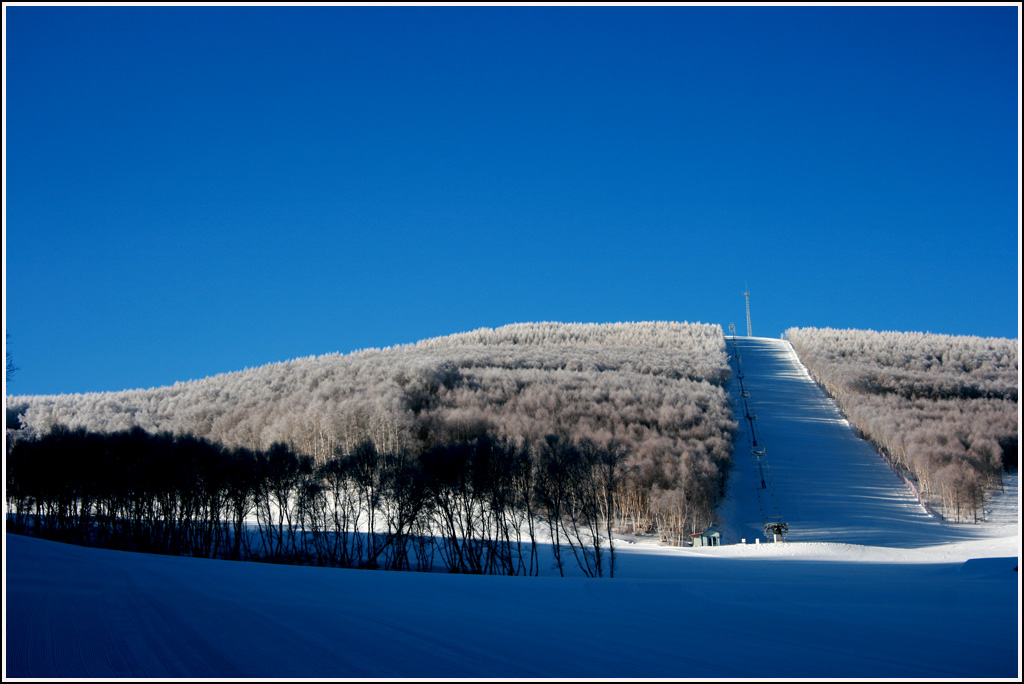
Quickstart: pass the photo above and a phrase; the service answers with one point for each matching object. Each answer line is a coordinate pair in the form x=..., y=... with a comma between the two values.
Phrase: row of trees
x=654, y=389
x=942, y=408
x=479, y=506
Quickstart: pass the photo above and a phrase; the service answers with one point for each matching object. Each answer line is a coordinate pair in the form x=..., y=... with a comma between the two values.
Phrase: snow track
x=827, y=484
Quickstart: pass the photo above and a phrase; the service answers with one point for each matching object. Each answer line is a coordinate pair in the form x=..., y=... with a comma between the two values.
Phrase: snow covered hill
x=868, y=585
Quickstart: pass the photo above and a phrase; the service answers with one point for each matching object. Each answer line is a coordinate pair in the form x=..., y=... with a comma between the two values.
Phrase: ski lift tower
x=747, y=295
x=776, y=530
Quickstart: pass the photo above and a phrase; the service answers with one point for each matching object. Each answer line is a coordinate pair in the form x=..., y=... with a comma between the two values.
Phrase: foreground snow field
x=868, y=585
x=79, y=612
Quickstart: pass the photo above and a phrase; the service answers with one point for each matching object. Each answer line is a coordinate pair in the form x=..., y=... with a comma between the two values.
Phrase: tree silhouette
x=11, y=368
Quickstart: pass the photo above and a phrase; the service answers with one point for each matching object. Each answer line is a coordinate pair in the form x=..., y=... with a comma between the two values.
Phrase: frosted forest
x=942, y=409
x=471, y=440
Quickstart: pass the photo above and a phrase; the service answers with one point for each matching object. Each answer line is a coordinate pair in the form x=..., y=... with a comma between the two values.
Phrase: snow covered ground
x=868, y=586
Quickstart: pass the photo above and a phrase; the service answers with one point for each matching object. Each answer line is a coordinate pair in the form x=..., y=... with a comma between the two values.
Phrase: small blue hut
x=709, y=537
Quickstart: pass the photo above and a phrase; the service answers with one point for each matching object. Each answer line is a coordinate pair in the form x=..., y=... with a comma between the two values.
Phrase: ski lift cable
x=758, y=454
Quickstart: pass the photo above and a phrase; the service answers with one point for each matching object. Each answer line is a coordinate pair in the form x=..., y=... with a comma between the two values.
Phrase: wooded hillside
x=653, y=391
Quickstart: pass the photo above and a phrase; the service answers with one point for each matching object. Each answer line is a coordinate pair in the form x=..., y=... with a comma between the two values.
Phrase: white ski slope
x=827, y=484
x=868, y=587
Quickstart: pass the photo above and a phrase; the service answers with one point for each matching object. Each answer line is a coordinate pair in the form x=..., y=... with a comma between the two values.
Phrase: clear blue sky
x=194, y=190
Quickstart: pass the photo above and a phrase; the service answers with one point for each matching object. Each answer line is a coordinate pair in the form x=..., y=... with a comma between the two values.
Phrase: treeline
x=479, y=506
x=942, y=408
x=654, y=389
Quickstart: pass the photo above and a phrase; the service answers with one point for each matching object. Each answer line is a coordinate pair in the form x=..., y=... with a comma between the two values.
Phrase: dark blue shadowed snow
x=80, y=612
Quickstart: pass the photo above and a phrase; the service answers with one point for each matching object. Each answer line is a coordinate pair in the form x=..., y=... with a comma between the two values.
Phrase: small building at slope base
x=709, y=537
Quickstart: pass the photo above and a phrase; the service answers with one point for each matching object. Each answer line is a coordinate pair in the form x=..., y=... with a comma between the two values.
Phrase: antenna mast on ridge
x=747, y=295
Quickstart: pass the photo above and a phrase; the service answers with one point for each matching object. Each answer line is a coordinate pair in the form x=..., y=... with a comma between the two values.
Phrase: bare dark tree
x=11, y=368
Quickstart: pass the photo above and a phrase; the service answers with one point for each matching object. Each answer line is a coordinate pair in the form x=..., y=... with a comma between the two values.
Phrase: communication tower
x=747, y=295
